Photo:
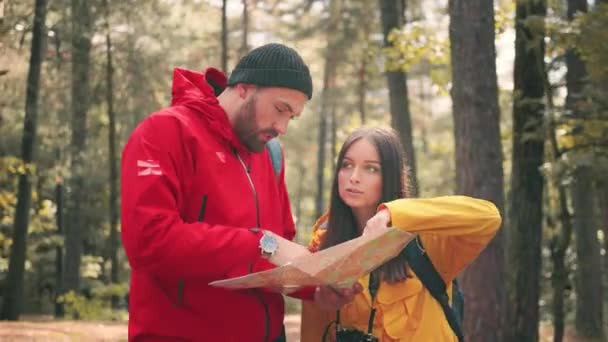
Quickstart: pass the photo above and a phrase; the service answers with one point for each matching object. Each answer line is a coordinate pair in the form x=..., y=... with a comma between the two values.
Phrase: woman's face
x=360, y=176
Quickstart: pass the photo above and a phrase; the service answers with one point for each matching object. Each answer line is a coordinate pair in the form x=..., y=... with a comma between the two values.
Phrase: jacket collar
x=198, y=91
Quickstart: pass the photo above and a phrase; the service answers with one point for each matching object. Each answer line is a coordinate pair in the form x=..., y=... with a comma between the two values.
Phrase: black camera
x=352, y=335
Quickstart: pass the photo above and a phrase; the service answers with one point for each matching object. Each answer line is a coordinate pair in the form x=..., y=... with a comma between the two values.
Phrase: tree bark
x=13, y=295
x=559, y=277
x=362, y=87
x=478, y=156
x=364, y=62
x=603, y=207
x=245, y=23
x=392, y=14
x=322, y=137
x=334, y=135
x=604, y=186
x=525, y=214
x=113, y=173
x=301, y=168
x=224, y=37
x=75, y=224
x=329, y=72
x=59, y=220
x=562, y=236
x=588, y=279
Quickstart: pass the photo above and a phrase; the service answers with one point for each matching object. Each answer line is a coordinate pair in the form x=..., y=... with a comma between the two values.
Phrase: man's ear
x=243, y=89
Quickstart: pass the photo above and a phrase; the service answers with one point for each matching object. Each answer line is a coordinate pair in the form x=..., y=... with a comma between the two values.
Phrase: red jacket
x=187, y=205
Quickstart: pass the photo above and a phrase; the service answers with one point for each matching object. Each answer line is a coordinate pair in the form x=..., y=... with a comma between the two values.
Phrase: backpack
x=276, y=155
x=420, y=263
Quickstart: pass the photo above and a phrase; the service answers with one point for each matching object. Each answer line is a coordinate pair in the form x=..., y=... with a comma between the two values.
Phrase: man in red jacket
x=201, y=202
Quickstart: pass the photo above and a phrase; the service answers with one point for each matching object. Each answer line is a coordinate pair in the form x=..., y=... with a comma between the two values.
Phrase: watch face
x=269, y=244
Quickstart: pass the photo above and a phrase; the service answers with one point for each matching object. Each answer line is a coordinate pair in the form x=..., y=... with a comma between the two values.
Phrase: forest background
x=502, y=100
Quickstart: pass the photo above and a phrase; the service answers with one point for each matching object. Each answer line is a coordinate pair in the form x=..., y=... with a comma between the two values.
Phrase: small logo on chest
x=148, y=167
x=221, y=156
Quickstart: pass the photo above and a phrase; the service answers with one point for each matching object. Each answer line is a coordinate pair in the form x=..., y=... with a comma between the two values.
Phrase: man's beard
x=247, y=129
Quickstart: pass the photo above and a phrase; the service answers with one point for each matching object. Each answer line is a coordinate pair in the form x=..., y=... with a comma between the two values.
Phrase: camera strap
x=373, y=286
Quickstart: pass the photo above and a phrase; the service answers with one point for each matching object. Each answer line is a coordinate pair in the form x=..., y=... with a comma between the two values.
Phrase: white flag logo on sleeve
x=148, y=167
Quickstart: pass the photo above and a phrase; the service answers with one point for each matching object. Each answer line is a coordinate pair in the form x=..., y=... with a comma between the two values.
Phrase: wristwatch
x=268, y=244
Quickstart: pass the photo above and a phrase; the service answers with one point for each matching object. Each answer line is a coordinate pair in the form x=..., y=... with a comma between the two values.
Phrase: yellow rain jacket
x=454, y=230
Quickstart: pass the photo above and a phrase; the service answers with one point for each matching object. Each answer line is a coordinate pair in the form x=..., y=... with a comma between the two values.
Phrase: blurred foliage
x=97, y=305
x=589, y=29
x=152, y=37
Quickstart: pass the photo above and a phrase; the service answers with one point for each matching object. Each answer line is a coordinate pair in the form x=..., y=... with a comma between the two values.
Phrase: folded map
x=338, y=266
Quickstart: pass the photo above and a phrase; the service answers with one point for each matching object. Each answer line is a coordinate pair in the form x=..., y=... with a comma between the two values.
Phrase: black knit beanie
x=273, y=65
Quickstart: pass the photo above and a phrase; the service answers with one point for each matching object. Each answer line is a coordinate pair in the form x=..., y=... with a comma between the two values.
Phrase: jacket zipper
x=255, y=193
x=257, y=219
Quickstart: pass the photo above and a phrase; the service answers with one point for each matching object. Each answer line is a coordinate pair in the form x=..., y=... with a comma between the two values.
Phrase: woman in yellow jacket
x=369, y=193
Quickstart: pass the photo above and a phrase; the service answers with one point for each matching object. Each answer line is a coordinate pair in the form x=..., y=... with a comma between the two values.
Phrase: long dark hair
x=341, y=224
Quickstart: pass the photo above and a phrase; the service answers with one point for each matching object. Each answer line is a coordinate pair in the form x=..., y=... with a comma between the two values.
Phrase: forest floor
x=43, y=328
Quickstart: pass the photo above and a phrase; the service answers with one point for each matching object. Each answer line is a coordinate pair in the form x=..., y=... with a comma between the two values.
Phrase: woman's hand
x=330, y=299
x=378, y=222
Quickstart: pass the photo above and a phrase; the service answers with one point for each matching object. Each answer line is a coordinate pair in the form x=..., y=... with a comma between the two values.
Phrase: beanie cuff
x=287, y=78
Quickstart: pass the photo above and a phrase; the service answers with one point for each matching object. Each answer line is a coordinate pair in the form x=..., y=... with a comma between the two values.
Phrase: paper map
x=339, y=266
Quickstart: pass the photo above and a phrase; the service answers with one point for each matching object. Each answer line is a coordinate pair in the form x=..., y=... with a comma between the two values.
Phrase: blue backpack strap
x=457, y=301
x=420, y=263
x=276, y=155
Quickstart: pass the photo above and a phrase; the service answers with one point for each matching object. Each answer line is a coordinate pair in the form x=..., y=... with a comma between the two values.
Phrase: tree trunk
x=59, y=310
x=319, y=203
x=322, y=136
x=244, y=42
x=478, y=156
x=362, y=87
x=334, y=135
x=603, y=208
x=364, y=62
x=525, y=214
x=588, y=279
x=604, y=185
x=113, y=173
x=560, y=241
x=75, y=225
x=224, y=37
x=299, y=192
x=13, y=294
x=426, y=111
x=392, y=13
x=561, y=236
x=559, y=277
x=329, y=72
x=588, y=284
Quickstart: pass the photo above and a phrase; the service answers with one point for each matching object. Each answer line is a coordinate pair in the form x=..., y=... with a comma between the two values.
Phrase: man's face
x=265, y=114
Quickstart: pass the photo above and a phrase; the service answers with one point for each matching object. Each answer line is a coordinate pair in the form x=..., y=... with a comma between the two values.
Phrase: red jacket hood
x=195, y=90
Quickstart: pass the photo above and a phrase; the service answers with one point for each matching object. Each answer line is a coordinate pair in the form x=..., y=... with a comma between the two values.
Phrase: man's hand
x=287, y=251
x=331, y=299
x=378, y=222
